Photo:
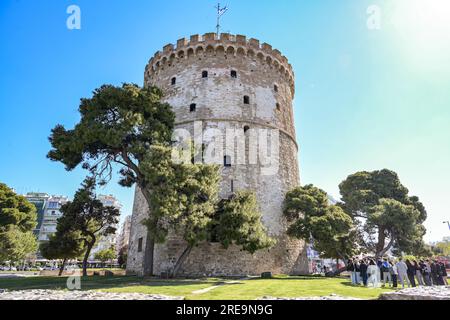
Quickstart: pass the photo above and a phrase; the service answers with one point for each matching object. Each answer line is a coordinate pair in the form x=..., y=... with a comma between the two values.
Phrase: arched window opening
x=205, y=74
x=174, y=81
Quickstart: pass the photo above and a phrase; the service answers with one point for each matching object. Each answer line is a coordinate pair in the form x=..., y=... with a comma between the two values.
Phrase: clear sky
x=366, y=99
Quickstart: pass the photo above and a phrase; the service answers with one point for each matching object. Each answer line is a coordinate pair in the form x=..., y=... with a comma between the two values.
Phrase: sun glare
x=422, y=27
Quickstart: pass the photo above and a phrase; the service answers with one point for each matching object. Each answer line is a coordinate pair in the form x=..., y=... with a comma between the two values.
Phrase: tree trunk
x=86, y=257
x=61, y=269
x=391, y=243
x=181, y=260
x=381, y=242
x=148, y=255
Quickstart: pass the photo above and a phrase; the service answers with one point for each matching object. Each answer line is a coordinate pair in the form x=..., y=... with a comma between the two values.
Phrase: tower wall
x=263, y=75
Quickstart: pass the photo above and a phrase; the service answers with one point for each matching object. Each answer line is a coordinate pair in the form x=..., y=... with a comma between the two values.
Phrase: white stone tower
x=229, y=82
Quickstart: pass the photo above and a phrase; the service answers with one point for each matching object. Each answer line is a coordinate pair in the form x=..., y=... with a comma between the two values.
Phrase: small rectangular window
x=275, y=88
x=193, y=107
x=140, y=244
x=174, y=81
x=205, y=74
x=233, y=74
x=246, y=100
x=227, y=161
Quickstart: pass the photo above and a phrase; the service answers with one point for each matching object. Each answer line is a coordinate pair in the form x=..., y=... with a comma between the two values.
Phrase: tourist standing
x=373, y=272
x=363, y=272
x=357, y=272
x=351, y=270
x=411, y=272
x=385, y=268
x=426, y=271
x=435, y=273
x=379, y=264
x=444, y=274
x=418, y=273
x=394, y=274
x=402, y=269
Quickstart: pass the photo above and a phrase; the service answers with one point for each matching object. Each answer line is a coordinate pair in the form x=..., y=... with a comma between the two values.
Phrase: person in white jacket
x=374, y=274
x=402, y=270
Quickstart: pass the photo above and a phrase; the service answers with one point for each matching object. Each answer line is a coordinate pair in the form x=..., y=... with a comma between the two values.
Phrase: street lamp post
x=448, y=223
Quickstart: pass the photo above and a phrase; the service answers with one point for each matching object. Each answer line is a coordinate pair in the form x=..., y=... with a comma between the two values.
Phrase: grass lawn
x=247, y=289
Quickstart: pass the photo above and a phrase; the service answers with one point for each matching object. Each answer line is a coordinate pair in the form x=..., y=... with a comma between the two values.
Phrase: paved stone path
x=419, y=293
x=202, y=291
x=78, y=295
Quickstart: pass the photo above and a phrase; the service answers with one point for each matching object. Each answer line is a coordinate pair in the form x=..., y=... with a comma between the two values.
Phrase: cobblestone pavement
x=78, y=295
x=419, y=293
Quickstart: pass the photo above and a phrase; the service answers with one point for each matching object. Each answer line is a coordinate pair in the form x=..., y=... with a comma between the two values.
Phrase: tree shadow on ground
x=96, y=282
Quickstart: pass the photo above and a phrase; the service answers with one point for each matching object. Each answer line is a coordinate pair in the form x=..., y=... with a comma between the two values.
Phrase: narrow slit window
x=233, y=74
x=193, y=107
x=174, y=81
x=246, y=100
x=232, y=186
x=205, y=74
x=227, y=161
x=140, y=244
x=275, y=88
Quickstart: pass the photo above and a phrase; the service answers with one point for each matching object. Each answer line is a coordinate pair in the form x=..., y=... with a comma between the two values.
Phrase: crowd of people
x=392, y=273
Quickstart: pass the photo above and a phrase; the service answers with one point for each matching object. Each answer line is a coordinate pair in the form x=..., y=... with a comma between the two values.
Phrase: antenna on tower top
x=220, y=12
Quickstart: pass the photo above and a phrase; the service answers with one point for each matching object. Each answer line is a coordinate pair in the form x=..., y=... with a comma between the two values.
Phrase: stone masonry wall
x=263, y=75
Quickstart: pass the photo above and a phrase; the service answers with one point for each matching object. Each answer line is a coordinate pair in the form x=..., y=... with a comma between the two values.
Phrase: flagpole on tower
x=220, y=12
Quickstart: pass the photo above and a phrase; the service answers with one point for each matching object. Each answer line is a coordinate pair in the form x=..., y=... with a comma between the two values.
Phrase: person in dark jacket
x=440, y=273
x=411, y=272
x=363, y=272
x=444, y=274
x=435, y=273
x=351, y=270
x=357, y=272
x=380, y=267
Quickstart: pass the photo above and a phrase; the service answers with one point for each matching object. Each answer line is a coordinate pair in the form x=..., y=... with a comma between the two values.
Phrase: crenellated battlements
x=228, y=45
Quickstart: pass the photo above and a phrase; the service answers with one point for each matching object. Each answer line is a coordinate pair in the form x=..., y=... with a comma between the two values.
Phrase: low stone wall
x=419, y=293
x=79, y=295
x=332, y=297
x=101, y=272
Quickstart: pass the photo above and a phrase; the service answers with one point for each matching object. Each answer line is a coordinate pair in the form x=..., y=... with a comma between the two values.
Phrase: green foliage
x=88, y=218
x=311, y=218
x=106, y=255
x=16, y=245
x=17, y=221
x=238, y=221
x=128, y=127
x=15, y=210
x=63, y=244
x=198, y=190
x=308, y=200
x=123, y=256
x=443, y=248
x=384, y=211
x=117, y=125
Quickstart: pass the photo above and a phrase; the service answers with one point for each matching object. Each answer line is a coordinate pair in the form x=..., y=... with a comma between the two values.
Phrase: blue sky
x=365, y=100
